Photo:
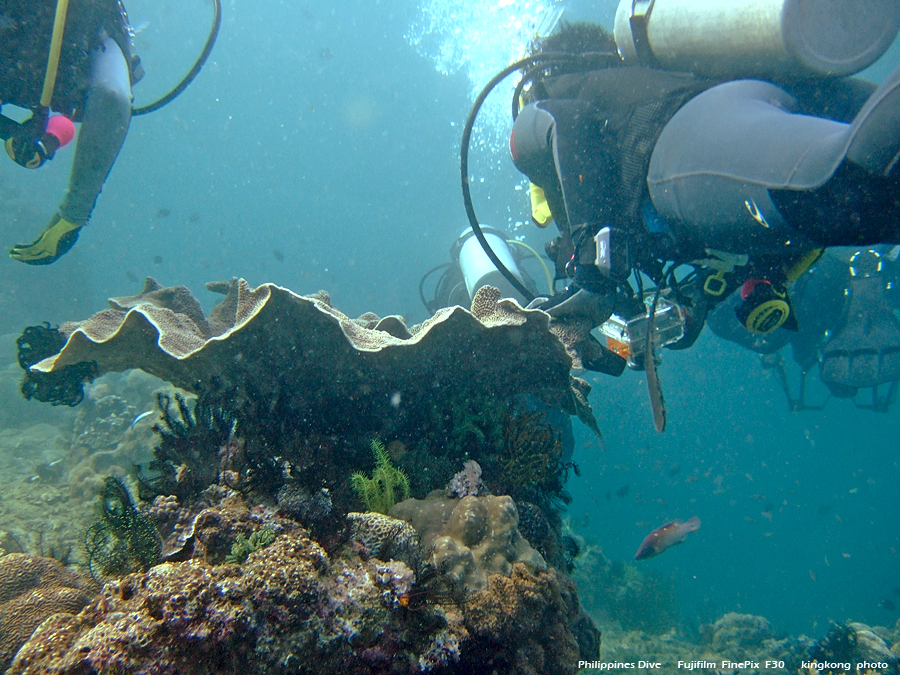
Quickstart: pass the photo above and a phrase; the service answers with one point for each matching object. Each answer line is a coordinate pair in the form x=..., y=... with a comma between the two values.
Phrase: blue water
x=318, y=149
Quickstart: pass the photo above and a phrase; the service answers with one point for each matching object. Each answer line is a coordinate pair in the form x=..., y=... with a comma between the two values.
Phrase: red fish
x=666, y=536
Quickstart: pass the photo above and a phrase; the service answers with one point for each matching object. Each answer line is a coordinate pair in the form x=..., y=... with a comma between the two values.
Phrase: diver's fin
x=865, y=352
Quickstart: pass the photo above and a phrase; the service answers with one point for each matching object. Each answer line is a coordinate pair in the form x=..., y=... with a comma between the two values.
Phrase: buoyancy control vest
x=25, y=34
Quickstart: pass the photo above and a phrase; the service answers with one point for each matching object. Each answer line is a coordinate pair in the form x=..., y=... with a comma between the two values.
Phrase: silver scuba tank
x=477, y=269
x=756, y=38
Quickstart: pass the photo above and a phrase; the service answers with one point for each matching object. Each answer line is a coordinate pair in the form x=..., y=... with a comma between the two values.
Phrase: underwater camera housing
x=627, y=337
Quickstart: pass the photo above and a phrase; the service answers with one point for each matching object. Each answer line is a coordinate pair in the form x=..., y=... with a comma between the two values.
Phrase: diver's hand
x=54, y=242
x=595, y=308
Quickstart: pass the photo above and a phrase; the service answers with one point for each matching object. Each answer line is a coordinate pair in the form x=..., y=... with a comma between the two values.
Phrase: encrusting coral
x=31, y=589
x=469, y=538
x=293, y=608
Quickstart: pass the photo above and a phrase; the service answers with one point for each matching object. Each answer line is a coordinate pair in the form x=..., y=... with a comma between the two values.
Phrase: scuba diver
x=847, y=327
x=653, y=161
x=77, y=59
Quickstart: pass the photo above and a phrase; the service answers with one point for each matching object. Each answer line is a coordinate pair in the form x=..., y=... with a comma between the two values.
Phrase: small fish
x=623, y=491
x=279, y=256
x=163, y=213
x=665, y=537
x=140, y=417
x=157, y=260
x=888, y=604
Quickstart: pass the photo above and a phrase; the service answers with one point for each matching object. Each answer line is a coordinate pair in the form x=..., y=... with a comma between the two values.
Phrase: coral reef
x=469, y=538
x=853, y=643
x=747, y=638
x=259, y=562
x=740, y=631
x=387, y=486
x=291, y=608
x=31, y=589
x=527, y=604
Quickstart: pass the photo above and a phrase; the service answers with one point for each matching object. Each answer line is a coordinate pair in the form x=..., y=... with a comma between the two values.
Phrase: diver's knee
x=110, y=76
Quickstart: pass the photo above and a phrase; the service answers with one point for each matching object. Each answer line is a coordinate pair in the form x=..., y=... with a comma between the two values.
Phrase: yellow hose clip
x=723, y=263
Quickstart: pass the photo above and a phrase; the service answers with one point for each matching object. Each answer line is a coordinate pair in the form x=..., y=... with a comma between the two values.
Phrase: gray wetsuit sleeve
x=107, y=114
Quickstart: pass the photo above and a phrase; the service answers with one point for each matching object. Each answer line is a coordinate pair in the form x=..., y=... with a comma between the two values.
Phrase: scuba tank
x=478, y=270
x=756, y=38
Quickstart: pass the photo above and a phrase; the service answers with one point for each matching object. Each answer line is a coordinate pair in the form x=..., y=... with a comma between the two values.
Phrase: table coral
x=262, y=340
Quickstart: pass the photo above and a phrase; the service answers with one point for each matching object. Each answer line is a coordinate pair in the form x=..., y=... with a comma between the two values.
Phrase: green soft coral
x=244, y=546
x=387, y=486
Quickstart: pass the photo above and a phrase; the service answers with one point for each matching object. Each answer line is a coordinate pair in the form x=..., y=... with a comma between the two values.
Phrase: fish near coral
x=665, y=537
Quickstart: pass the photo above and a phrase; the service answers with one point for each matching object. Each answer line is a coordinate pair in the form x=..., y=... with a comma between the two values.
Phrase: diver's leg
x=731, y=169
x=107, y=114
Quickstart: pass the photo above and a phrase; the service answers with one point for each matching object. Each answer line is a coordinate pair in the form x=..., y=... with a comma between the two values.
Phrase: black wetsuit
x=25, y=33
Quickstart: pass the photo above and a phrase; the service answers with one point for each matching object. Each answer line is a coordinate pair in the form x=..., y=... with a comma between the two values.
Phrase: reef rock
x=735, y=630
x=270, y=342
x=31, y=589
x=470, y=538
x=292, y=609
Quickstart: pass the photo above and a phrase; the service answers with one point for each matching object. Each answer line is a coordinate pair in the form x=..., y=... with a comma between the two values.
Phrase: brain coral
x=265, y=339
x=471, y=537
x=31, y=589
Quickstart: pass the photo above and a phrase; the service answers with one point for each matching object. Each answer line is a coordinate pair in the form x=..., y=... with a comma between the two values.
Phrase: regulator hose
x=193, y=72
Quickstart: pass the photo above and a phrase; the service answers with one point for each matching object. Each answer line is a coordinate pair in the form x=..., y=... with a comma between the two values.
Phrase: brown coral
x=259, y=339
x=31, y=589
x=290, y=608
x=469, y=538
x=530, y=622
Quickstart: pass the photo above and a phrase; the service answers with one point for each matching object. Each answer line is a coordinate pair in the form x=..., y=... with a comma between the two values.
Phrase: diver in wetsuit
x=741, y=179
x=89, y=82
